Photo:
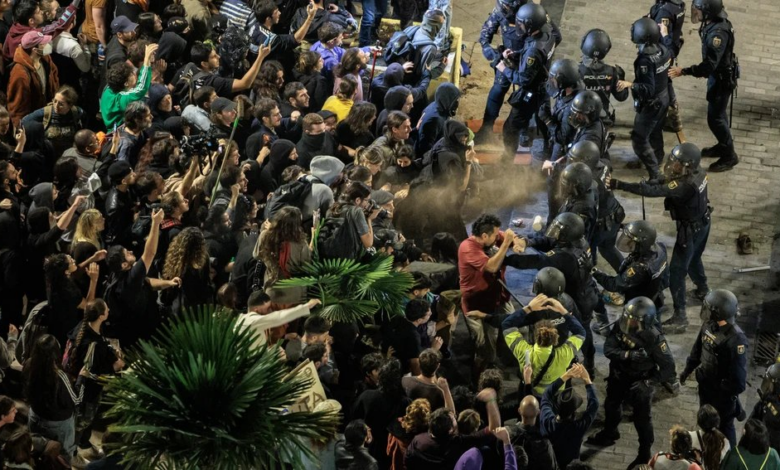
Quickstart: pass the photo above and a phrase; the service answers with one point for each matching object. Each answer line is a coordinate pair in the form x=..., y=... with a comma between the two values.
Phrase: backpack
x=539, y=449
x=141, y=228
x=187, y=84
x=290, y=194
x=399, y=48
x=255, y=280
x=37, y=324
x=338, y=239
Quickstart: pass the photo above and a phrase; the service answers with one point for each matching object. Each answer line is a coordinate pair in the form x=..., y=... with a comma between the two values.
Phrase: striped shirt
x=238, y=13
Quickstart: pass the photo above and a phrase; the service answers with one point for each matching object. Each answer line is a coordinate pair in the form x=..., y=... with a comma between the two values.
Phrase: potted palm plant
x=200, y=396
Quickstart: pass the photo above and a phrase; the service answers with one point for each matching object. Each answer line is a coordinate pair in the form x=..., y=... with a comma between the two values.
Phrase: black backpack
x=399, y=48
x=37, y=325
x=338, y=239
x=187, y=84
x=290, y=194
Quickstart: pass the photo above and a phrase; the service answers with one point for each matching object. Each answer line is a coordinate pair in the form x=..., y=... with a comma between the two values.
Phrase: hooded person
x=232, y=50
x=396, y=98
x=172, y=48
x=436, y=114
x=392, y=77
x=315, y=141
x=444, y=179
x=283, y=154
x=43, y=195
x=426, y=53
x=325, y=172
x=161, y=104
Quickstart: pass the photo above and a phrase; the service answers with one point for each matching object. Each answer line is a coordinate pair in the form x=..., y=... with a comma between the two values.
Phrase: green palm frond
x=200, y=395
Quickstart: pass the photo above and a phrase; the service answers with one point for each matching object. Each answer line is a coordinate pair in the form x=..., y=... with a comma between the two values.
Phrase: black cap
x=118, y=170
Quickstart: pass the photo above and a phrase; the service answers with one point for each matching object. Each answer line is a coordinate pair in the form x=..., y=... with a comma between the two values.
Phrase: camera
x=200, y=146
x=370, y=207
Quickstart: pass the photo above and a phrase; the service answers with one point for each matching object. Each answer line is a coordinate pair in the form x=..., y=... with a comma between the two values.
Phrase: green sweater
x=113, y=104
x=732, y=460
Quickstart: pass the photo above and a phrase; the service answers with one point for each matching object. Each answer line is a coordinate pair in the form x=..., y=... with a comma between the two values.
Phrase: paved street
x=745, y=199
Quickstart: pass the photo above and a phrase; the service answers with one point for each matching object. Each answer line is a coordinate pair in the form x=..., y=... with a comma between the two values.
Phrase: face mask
x=47, y=49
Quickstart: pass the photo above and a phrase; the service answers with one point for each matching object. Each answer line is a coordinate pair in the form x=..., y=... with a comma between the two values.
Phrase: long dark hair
x=711, y=438
x=350, y=63
x=361, y=117
x=444, y=248
x=286, y=226
x=92, y=312
x=54, y=269
x=41, y=383
x=353, y=191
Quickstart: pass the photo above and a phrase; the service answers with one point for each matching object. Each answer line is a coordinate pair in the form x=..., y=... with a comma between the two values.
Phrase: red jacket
x=14, y=38
x=25, y=90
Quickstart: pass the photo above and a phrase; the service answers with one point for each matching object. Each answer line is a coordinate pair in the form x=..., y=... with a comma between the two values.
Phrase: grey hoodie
x=42, y=196
x=326, y=169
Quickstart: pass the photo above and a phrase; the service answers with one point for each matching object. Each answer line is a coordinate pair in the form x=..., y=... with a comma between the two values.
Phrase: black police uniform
x=574, y=261
x=611, y=215
x=632, y=378
x=720, y=67
x=651, y=102
x=671, y=13
x=602, y=78
x=687, y=202
x=719, y=357
x=561, y=132
x=768, y=411
x=528, y=81
x=640, y=275
x=501, y=19
x=586, y=206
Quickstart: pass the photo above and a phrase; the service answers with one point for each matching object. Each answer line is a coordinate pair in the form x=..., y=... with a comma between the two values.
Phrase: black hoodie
x=318, y=87
x=311, y=146
x=435, y=115
x=394, y=100
x=275, y=164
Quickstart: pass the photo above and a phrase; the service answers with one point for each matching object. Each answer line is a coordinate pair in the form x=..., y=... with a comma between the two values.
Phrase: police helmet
x=530, y=17
x=567, y=227
x=638, y=315
x=645, y=31
x=576, y=178
x=509, y=5
x=550, y=282
x=771, y=383
x=720, y=305
x=587, y=152
x=596, y=44
x=638, y=236
x=564, y=73
x=684, y=159
x=585, y=109
x=709, y=8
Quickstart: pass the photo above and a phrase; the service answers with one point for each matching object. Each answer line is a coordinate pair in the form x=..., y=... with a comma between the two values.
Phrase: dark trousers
x=11, y=290
x=686, y=261
x=728, y=407
x=618, y=392
x=718, y=96
x=604, y=238
x=495, y=98
x=518, y=121
x=647, y=137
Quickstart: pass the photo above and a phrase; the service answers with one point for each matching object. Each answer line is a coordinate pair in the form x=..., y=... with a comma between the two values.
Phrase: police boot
x=604, y=438
x=699, y=293
x=485, y=136
x=715, y=151
x=725, y=163
x=642, y=458
x=525, y=139
x=600, y=323
x=677, y=324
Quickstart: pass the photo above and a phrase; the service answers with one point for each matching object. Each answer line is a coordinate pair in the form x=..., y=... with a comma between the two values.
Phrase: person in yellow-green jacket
x=548, y=360
x=123, y=86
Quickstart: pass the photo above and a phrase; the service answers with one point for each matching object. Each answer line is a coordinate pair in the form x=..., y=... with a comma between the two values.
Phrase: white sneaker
x=78, y=461
x=92, y=453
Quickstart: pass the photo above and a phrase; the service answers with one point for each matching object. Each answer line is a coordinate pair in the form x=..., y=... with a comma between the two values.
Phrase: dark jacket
x=566, y=435
x=311, y=146
x=435, y=115
x=394, y=99
x=391, y=77
x=348, y=456
x=274, y=165
x=318, y=87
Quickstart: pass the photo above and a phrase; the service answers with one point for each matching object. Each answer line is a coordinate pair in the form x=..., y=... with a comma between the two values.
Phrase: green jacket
x=113, y=104
x=740, y=459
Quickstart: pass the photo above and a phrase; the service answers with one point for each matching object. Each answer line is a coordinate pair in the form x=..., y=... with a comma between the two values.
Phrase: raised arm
x=150, y=249
x=245, y=82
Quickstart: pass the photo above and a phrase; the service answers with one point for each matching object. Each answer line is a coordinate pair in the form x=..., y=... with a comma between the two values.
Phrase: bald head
x=529, y=409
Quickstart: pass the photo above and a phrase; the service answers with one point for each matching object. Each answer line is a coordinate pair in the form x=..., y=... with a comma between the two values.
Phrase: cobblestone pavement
x=745, y=199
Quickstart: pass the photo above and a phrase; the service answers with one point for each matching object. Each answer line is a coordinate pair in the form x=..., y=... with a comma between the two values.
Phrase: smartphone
x=528, y=358
x=267, y=41
x=115, y=126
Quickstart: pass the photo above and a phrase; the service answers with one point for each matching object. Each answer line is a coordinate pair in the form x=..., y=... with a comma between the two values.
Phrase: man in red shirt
x=480, y=264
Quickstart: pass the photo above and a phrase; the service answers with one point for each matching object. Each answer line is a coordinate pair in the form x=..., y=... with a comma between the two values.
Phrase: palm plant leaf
x=200, y=395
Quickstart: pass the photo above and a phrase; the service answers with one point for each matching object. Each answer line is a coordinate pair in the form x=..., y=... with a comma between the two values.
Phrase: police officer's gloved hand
x=672, y=387
x=636, y=354
x=684, y=376
x=614, y=183
x=489, y=53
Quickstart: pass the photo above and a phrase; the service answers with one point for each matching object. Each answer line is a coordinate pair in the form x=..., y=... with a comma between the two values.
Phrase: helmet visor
x=554, y=230
x=630, y=324
x=706, y=313
x=768, y=387
x=578, y=119
x=625, y=242
x=673, y=168
x=552, y=87
x=696, y=14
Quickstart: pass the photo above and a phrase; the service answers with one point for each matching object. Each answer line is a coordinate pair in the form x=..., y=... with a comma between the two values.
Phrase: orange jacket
x=25, y=90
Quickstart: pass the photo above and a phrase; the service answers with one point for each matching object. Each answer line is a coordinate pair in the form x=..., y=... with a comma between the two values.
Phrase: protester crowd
x=158, y=156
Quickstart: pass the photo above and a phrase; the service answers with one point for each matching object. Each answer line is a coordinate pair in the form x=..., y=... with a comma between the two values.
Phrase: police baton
x=644, y=215
x=511, y=294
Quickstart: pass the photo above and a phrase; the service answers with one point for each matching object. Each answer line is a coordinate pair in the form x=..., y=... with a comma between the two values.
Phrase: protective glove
x=684, y=376
x=636, y=354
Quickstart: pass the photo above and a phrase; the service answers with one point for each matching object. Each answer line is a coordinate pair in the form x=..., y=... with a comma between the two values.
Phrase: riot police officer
x=580, y=195
x=610, y=213
x=598, y=76
x=720, y=66
x=685, y=193
x=529, y=77
x=650, y=89
x=768, y=408
x=645, y=272
x=585, y=117
x=670, y=14
x=500, y=19
x=719, y=357
x=565, y=248
x=639, y=358
x=563, y=84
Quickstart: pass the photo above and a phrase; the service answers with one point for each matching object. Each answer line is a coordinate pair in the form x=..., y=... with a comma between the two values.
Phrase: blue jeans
x=496, y=98
x=63, y=432
x=686, y=261
x=373, y=11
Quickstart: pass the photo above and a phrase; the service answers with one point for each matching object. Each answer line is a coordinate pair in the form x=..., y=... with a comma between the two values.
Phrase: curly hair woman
x=52, y=398
x=283, y=245
x=63, y=294
x=356, y=130
x=188, y=259
x=270, y=81
x=414, y=422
